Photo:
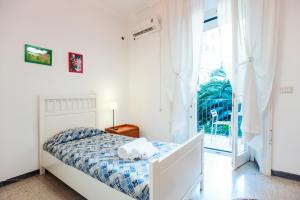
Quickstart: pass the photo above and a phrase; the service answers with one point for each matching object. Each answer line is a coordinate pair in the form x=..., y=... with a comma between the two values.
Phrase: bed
x=172, y=174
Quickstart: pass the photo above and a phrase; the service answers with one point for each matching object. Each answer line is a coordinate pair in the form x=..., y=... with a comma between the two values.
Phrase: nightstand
x=125, y=129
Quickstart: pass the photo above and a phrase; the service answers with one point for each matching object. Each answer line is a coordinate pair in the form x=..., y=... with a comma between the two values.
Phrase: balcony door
x=218, y=107
x=214, y=97
x=240, y=150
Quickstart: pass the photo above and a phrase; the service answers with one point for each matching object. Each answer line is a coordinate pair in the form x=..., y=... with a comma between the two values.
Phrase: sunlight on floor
x=222, y=183
x=218, y=142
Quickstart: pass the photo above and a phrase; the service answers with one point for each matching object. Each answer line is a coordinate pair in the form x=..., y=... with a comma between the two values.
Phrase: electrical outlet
x=286, y=89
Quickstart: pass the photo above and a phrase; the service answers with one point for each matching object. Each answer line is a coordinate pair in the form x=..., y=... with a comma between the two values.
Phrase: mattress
x=94, y=152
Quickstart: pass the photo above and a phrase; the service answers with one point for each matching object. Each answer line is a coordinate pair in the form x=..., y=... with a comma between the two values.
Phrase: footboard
x=175, y=176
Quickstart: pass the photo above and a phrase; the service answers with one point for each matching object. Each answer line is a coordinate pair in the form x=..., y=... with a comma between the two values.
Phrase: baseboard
x=286, y=175
x=19, y=178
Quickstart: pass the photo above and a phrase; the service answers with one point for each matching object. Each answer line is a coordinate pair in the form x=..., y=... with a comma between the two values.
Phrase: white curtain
x=182, y=31
x=225, y=28
x=255, y=32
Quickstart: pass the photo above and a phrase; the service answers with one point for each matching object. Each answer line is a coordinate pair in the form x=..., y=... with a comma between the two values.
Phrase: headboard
x=57, y=113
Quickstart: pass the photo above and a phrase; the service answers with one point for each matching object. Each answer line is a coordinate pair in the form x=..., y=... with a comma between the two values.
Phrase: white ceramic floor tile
x=220, y=183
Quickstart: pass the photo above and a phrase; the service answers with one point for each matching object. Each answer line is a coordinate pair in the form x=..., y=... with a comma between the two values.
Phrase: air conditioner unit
x=149, y=26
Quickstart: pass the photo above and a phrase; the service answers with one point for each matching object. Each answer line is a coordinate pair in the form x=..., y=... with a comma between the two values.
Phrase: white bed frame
x=173, y=177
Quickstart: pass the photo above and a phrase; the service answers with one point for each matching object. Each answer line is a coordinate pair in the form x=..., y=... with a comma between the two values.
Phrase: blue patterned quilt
x=95, y=153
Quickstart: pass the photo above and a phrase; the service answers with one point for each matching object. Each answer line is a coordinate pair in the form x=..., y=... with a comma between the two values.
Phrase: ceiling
x=125, y=7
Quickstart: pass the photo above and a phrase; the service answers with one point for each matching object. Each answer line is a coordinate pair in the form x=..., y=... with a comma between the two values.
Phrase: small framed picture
x=38, y=55
x=75, y=62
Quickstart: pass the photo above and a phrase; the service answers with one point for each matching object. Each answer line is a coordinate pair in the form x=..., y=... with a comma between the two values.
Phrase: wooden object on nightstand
x=125, y=129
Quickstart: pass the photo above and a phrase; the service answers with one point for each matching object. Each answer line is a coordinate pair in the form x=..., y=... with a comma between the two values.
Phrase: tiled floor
x=218, y=142
x=220, y=184
x=221, y=142
x=38, y=187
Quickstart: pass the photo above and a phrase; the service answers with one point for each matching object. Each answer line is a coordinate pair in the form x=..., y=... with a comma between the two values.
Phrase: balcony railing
x=214, y=116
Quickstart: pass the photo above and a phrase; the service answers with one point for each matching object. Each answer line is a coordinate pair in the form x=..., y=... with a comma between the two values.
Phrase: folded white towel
x=150, y=150
x=145, y=151
x=125, y=151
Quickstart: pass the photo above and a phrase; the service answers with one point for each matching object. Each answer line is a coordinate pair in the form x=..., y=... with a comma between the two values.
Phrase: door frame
x=237, y=160
x=266, y=165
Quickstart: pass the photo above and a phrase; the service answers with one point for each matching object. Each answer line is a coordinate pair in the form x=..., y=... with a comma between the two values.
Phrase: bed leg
x=42, y=171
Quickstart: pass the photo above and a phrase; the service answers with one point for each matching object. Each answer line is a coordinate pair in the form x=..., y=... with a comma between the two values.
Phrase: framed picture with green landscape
x=38, y=55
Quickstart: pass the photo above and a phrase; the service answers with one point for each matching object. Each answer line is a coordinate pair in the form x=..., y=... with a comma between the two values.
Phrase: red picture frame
x=75, y=62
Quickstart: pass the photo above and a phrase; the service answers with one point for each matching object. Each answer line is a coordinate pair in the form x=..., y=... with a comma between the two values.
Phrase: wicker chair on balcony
x=215, y=123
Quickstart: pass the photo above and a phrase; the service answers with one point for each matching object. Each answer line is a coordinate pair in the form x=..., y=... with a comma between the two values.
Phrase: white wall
x=149, y=106
x=286, y=141
x=69, y=25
